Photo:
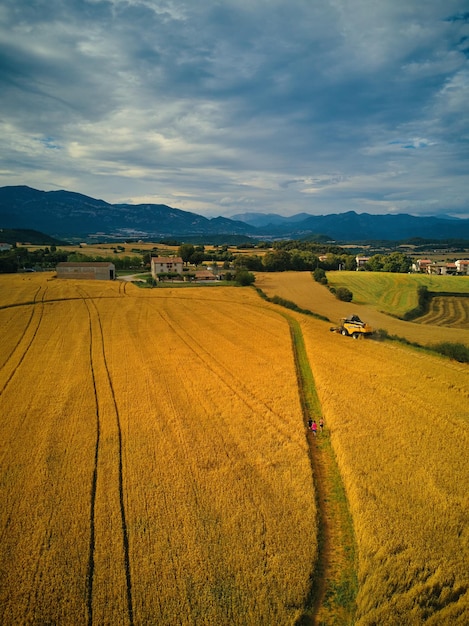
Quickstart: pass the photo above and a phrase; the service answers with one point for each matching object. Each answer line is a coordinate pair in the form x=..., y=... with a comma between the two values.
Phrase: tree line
x=280, y=257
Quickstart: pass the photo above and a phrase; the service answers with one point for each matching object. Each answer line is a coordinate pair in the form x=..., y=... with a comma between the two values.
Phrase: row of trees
x=19, y=258
x=396, y=262
x=283, y=256
x=197, y=254
x=304, y=260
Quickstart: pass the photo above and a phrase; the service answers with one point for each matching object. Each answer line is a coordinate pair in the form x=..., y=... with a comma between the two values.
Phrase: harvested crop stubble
x=399, y=423
x=154, y=466
x=447, y=311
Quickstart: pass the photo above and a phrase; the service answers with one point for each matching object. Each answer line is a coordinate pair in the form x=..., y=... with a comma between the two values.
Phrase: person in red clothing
x=314, y=428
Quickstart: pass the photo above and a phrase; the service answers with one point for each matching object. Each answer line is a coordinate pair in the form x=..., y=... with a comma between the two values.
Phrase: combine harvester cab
x=352, y=326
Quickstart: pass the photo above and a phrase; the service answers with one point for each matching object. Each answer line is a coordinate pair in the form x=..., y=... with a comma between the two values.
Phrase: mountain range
x=66, y=214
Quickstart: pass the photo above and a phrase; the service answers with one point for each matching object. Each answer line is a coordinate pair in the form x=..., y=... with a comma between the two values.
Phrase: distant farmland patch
x=451, y=311
x=395, y=294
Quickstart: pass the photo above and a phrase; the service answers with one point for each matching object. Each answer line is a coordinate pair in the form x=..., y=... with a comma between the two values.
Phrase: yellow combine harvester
x=352, y=326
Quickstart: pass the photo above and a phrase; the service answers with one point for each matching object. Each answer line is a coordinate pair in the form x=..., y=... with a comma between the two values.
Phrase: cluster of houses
x=426, y=266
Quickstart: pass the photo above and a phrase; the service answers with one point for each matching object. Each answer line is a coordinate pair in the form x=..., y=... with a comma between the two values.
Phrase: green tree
x=397, y=262
x=197, y=257
x=249, y=262
x=8, y=263
x=319, y=276
x=185, y=251
x=344, y=294
x=244, y=278
x=276, y=261
x=348, y=261
x=299, y=261
x=375, y=263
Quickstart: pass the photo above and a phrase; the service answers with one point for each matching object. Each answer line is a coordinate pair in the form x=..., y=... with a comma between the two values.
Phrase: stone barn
x=86, y=271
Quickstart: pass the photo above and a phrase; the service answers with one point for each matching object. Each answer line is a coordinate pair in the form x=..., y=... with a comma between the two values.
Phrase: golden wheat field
x=399, y=424
x=154, y=467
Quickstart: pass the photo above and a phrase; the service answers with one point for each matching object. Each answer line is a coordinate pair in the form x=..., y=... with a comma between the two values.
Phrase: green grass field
x=394, y=293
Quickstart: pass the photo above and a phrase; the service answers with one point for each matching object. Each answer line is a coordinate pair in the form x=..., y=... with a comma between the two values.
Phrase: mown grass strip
x=331, y=599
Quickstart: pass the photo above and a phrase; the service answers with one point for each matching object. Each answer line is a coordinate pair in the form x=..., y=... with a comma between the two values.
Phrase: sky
x=223, y=107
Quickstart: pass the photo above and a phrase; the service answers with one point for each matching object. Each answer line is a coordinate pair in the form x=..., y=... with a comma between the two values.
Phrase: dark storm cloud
x=220, y=106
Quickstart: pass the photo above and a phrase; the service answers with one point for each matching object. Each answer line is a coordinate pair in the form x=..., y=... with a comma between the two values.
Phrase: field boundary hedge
x=453, y=350
x=288, y=304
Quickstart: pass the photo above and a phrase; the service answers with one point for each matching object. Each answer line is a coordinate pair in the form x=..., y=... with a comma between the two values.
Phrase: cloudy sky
x=230, y=106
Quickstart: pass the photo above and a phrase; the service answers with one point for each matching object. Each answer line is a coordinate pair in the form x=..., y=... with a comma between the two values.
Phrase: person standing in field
x=321, y=424
x=314, y=428
x=310, y=424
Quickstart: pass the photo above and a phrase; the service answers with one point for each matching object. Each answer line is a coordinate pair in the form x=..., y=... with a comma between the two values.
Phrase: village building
x=361, y=261
x=166, y=265
x=442, y=269
x=204, y=275
x=4, y=247
x=421, y=265
x=462, y=267
x=86, y=271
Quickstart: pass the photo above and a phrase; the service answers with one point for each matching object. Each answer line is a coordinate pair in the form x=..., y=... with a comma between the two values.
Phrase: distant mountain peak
x=65, y=214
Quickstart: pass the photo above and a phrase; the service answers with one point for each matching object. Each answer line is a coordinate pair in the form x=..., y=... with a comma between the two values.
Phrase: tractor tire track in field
x=94, y=480
x=97, y=340
x=30, y=342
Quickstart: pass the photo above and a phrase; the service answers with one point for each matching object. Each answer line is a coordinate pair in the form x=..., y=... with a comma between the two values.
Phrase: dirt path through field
x=333, y=589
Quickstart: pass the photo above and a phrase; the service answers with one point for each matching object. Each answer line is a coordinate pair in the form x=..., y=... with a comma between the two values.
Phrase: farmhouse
x=361, y=261
x=442, y=269
x=166, y=265
x=462, y=266
x=86, y=271
x=5, y=246
x=421, y=265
